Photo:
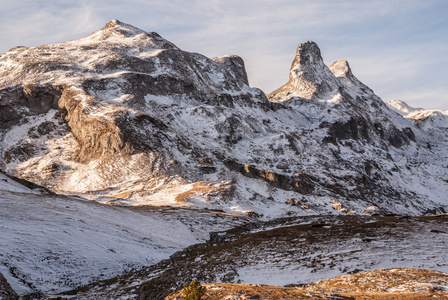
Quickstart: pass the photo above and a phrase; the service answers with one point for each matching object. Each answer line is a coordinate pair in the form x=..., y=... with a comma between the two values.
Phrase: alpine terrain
x=123, y=155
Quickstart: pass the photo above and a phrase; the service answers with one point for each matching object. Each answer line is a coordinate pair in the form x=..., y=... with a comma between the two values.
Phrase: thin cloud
x=391, y=45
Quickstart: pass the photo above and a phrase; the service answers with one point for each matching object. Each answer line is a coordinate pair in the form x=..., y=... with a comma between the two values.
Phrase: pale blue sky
x=399, y=48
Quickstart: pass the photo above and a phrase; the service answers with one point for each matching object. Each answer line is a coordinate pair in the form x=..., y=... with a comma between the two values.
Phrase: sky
x=398, y=48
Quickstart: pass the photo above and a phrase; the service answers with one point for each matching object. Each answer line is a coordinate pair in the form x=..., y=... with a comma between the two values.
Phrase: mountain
x=125, y=117
x=123, y=155
x=89, y=114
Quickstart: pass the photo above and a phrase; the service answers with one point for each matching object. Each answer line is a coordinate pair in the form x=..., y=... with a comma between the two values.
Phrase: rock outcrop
x=308, y=77
x=6, y=292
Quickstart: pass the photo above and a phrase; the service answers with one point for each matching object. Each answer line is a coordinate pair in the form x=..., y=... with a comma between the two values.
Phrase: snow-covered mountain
x=125, y=117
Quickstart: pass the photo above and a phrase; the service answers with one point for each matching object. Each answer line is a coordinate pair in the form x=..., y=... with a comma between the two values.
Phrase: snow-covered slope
x=402, y=108
x=293, y=251
x=51, y=243
x=427, y=119
x=125, y=117
x=10, y=185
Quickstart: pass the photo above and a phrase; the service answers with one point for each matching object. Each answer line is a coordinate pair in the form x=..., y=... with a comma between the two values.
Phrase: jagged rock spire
x=341, y=68
x=308, y=77
x=307, y=54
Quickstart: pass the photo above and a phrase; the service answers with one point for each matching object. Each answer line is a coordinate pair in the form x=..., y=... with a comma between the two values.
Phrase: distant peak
x=117, y=25
x=112, y=23
x=341, y=68
x=402, y=107
x=126, y=35
x=342, y=71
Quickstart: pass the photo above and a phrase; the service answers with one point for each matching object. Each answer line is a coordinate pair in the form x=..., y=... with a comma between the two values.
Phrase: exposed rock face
x=26, y=100
x=6, y=292
x=124, y=106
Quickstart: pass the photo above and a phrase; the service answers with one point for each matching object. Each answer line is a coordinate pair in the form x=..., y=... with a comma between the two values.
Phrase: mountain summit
x=308, y=76
x=125, y=117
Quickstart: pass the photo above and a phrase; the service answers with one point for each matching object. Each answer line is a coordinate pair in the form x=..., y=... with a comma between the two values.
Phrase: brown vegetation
x=378, y=284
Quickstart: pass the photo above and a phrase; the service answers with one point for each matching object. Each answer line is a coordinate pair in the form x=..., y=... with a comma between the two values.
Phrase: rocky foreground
x=395, y=284
x=293, y=252
x=6, y=292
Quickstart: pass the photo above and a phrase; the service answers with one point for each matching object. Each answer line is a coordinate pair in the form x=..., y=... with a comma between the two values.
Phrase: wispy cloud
x=394, y=46
x=32, y=23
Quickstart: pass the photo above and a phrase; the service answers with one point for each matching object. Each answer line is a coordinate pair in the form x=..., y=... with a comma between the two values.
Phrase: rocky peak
x=116, y=35
x=341, y=68
x=309, y=77
x=307, y=54
x=234, y=64
x=433, y=121
x=118, y=26
x=113, y=23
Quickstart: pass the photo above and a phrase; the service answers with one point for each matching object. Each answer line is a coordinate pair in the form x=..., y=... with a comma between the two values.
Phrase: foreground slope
x=6, y=292
x=125, y=117
x=52, y=243
x=291, y=251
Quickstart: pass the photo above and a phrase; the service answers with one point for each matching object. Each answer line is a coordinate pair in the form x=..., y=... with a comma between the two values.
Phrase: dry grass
x=246, y=291
x=208, y=189
x=382, y=280
x=395, y=283
x=378, y=284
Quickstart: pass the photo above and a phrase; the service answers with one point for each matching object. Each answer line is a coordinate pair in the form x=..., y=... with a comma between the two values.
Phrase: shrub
x=194, y=291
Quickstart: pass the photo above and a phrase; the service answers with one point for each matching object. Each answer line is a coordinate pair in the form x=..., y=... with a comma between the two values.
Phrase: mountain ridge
x=97, y=115
x=152, y=149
